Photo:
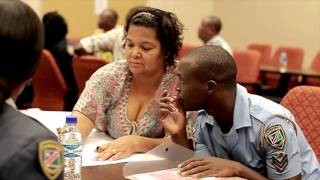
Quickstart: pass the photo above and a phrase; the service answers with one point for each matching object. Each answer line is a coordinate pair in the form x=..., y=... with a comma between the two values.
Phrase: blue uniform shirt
x=264, y=137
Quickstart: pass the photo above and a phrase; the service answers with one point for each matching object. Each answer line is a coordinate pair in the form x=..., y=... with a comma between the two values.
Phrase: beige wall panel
x=123, y=6
x=80, y=13
x=189, y=13
x=35, y=4
x=278, y=22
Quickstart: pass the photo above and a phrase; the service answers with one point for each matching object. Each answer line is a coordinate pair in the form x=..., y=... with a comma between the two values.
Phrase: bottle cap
x=71, y=119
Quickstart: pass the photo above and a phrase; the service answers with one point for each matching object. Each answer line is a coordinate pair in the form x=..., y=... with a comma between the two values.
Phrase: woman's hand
x=118, y=149
x=200, y=167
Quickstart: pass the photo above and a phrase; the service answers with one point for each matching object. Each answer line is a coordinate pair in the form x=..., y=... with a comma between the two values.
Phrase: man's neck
x=223, y=111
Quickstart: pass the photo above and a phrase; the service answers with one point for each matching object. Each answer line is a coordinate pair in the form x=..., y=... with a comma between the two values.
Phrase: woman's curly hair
x=168, y=28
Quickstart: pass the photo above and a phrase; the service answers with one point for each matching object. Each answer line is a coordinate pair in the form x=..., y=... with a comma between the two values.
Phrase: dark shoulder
x=20, y=131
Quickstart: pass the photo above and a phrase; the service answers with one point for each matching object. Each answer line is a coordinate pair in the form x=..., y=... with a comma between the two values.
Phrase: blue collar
x=241, y=113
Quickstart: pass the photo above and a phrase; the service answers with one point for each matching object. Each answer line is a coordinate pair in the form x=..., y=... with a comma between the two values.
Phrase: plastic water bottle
x=70, y=138
x=283, y=60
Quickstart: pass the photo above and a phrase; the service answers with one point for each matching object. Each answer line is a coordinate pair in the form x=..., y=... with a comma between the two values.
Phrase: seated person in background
x=121, y=98
x=26, y=145
x=209, y=30
x=56, y=29
x=107, y=21
x=239, y=134
x=110, y=41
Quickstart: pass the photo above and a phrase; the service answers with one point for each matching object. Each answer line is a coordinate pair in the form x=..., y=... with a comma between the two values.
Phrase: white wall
x=189, y=12
x=277, y=22
x=36, y=5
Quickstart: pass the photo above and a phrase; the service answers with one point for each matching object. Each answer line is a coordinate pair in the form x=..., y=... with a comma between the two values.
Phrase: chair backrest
x=49, y=85
x=316, y=62
x=84, y=67
x=314, y=81
x=185, y=49
x=248, y=67
x=295, y=56
x=248, y=64
x=265, y=51
x=304, y=104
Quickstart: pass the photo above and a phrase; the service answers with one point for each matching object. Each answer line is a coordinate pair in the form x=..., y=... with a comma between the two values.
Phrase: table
x=286, y=75
x=291, y=71
x=164, y=155
x=103, y=172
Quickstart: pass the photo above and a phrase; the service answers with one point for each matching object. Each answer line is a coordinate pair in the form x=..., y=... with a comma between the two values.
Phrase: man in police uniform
x=243, y=134
x=28, y=149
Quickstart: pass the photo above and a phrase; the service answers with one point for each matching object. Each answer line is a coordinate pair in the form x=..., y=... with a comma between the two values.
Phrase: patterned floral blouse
x=105, y=100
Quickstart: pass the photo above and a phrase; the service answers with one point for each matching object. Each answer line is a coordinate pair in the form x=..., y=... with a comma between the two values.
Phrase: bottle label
x=71, y=155
x=71, y=147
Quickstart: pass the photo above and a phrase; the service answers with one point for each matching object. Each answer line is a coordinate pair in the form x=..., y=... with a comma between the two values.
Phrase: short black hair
x=55, y=28
x=213, y=63
x=113, y=13
x=168, y=28
x=214, y=23
x=21, y=42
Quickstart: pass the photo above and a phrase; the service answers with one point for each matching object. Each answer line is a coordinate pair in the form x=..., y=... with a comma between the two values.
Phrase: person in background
x=121, y=98
x=238, y=134
x=107, y=20
x=209, y=31
x=26, y=145
x=56, y=29
x=107, y=44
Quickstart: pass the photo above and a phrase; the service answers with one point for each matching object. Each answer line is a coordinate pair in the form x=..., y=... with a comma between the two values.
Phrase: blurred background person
x=105, y=43
x=56, y=29
x=209, y=31
x=23, y=139
x=107, y=20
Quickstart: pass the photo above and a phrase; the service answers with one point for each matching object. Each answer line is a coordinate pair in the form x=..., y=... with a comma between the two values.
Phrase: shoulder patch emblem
x=51, y=158
x=275, y=136
x=281, y=164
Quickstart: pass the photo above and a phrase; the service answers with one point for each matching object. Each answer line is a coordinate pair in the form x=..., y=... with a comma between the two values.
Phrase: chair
x=49, y=85
x=295, y=59
x=84, y=67
x=315, y=81
x=185, y=49
x=265, y=51
x=304, y=104
x=248, y=65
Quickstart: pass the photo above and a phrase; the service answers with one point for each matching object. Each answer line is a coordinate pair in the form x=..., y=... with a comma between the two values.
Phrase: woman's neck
x=146, y=83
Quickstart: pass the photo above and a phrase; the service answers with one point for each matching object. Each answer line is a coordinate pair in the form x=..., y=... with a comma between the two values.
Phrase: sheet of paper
x=51, y=119
x=168, y=174
x=97, y=138
x=168, y=154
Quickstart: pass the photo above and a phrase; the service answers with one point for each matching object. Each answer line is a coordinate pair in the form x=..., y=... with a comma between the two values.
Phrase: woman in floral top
x=121, y=98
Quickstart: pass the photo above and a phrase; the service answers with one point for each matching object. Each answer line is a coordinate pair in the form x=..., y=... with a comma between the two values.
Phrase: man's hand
x=172, y=114
x=200, y=167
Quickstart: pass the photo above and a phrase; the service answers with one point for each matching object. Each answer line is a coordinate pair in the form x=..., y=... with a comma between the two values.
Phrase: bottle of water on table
x=70, y=138
x=283, y=61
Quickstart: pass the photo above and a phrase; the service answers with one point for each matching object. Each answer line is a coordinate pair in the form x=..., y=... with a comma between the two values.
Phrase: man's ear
x=211, y=85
